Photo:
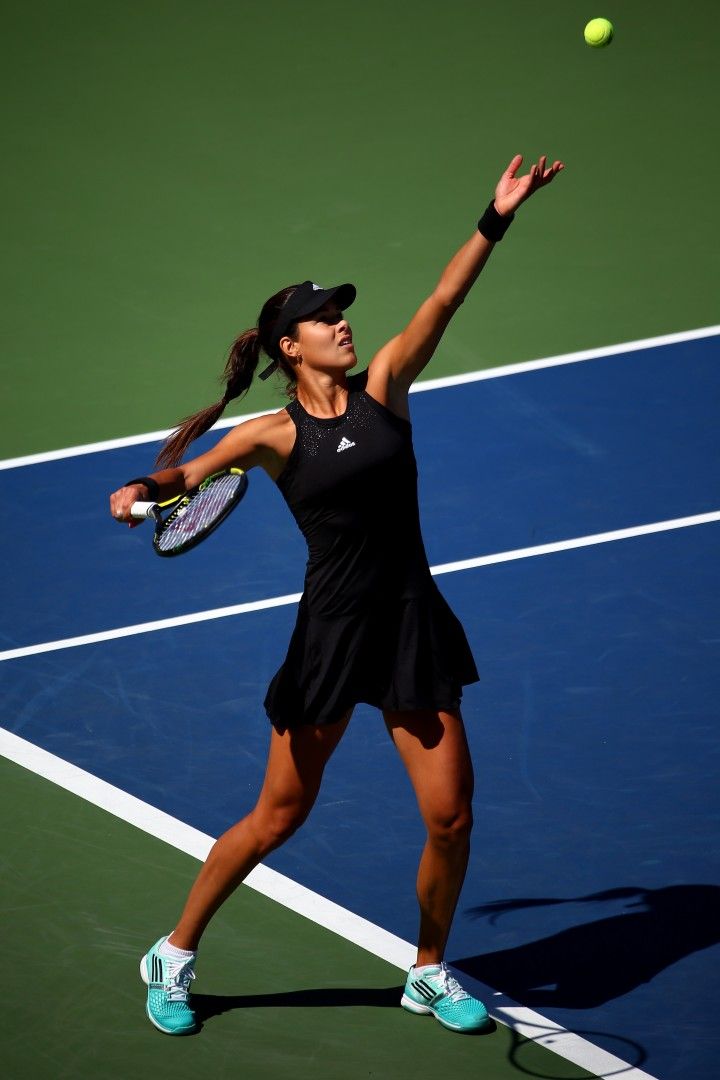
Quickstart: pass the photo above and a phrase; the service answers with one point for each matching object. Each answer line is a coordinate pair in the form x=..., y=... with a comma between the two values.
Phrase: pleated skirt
x=401, y=654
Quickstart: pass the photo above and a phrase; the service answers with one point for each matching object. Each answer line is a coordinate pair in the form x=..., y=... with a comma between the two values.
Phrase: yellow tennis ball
x=598, y=33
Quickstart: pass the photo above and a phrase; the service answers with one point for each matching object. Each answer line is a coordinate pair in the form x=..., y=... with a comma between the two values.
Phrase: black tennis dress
x=371, y=626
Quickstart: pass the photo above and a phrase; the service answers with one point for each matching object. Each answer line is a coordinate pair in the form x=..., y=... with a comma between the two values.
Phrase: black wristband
x=152, y=485
x=492, y=225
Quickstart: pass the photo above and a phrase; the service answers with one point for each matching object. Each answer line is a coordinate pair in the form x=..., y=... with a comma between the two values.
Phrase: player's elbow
x=449, y=300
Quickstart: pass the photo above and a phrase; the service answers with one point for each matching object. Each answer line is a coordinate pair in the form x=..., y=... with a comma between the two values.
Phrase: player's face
x=325, y=339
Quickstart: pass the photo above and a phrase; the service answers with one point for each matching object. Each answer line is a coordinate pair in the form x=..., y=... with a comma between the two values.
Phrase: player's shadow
x=587, y=965
x=206, y=1006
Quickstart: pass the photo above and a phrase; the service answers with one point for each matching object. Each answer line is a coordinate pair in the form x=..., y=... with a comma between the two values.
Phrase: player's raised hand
x=512, y=190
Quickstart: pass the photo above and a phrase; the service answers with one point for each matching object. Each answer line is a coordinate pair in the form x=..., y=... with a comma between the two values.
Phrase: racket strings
x=201, y=511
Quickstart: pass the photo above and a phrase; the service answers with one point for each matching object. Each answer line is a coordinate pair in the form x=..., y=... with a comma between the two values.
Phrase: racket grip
x=141, y=510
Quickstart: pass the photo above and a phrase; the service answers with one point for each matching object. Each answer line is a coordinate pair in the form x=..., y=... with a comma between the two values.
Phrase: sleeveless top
x=372, y=625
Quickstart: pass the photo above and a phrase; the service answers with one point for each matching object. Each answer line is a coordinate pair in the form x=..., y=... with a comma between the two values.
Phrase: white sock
x=166, y=949
x=426, y=967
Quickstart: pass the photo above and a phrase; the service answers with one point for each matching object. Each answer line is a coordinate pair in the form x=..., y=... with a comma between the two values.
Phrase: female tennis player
x=371, y=626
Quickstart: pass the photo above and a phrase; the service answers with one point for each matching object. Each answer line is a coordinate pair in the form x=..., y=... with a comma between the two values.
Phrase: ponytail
x=239, y=370
x=238, y=374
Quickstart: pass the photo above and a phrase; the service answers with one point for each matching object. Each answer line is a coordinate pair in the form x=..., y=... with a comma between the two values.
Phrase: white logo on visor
x=317, y=288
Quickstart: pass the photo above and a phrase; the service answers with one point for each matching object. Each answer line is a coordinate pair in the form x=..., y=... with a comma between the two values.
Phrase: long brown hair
x=238, y=374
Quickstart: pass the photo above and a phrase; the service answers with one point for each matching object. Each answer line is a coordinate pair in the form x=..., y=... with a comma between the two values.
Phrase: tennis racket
x=195, y=514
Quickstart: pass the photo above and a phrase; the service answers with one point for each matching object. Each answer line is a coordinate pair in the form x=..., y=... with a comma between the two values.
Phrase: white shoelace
x=451, y=986
x=178, y=976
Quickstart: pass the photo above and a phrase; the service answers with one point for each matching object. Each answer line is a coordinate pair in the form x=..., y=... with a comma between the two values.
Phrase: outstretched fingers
x=541, y=174
x=513, y=166
x=512, y=190
x=549, y=174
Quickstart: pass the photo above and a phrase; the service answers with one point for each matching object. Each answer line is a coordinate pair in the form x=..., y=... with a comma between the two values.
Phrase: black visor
x=306, y=299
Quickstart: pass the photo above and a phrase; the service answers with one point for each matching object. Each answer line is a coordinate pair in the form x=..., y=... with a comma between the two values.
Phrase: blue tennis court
x=593, y=889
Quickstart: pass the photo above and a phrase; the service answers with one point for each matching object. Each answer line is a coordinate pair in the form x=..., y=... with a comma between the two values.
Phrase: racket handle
x=141, y=510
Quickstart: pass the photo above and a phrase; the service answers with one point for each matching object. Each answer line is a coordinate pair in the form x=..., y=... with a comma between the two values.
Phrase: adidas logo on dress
x=344, y=444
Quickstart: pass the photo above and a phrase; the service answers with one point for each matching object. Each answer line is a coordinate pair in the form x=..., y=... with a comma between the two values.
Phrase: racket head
x=198, y=513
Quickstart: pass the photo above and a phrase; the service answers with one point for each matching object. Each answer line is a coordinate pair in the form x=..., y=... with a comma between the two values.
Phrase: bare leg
x=434, y=750
x=296, y=763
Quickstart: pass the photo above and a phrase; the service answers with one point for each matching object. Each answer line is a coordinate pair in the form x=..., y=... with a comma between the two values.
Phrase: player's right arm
x=264, y=441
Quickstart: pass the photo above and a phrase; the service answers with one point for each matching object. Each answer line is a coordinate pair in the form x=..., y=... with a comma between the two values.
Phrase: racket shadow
x=590, y=963
x=206, y=1006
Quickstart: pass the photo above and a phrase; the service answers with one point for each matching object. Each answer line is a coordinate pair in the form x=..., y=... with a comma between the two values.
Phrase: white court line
x=293, y=598
x=578, y=542
x=149, y=627
x=346, y=924
x=416, y=388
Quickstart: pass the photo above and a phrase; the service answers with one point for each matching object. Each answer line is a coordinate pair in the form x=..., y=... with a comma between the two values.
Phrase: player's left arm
x=396, y=366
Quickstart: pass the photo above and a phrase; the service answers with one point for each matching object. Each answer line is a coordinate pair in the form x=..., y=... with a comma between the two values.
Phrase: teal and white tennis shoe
x=168, y=980
x=433, y=990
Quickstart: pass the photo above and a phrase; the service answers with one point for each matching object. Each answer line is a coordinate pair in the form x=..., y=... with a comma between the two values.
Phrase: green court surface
x=279, y=995
x=171, y=164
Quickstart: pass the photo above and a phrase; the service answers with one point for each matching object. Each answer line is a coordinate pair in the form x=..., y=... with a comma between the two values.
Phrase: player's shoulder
x=269, y=431
x=259, y=425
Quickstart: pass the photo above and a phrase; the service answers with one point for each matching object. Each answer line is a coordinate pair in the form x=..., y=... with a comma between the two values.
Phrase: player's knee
x=278, y=825
x=452, y=826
